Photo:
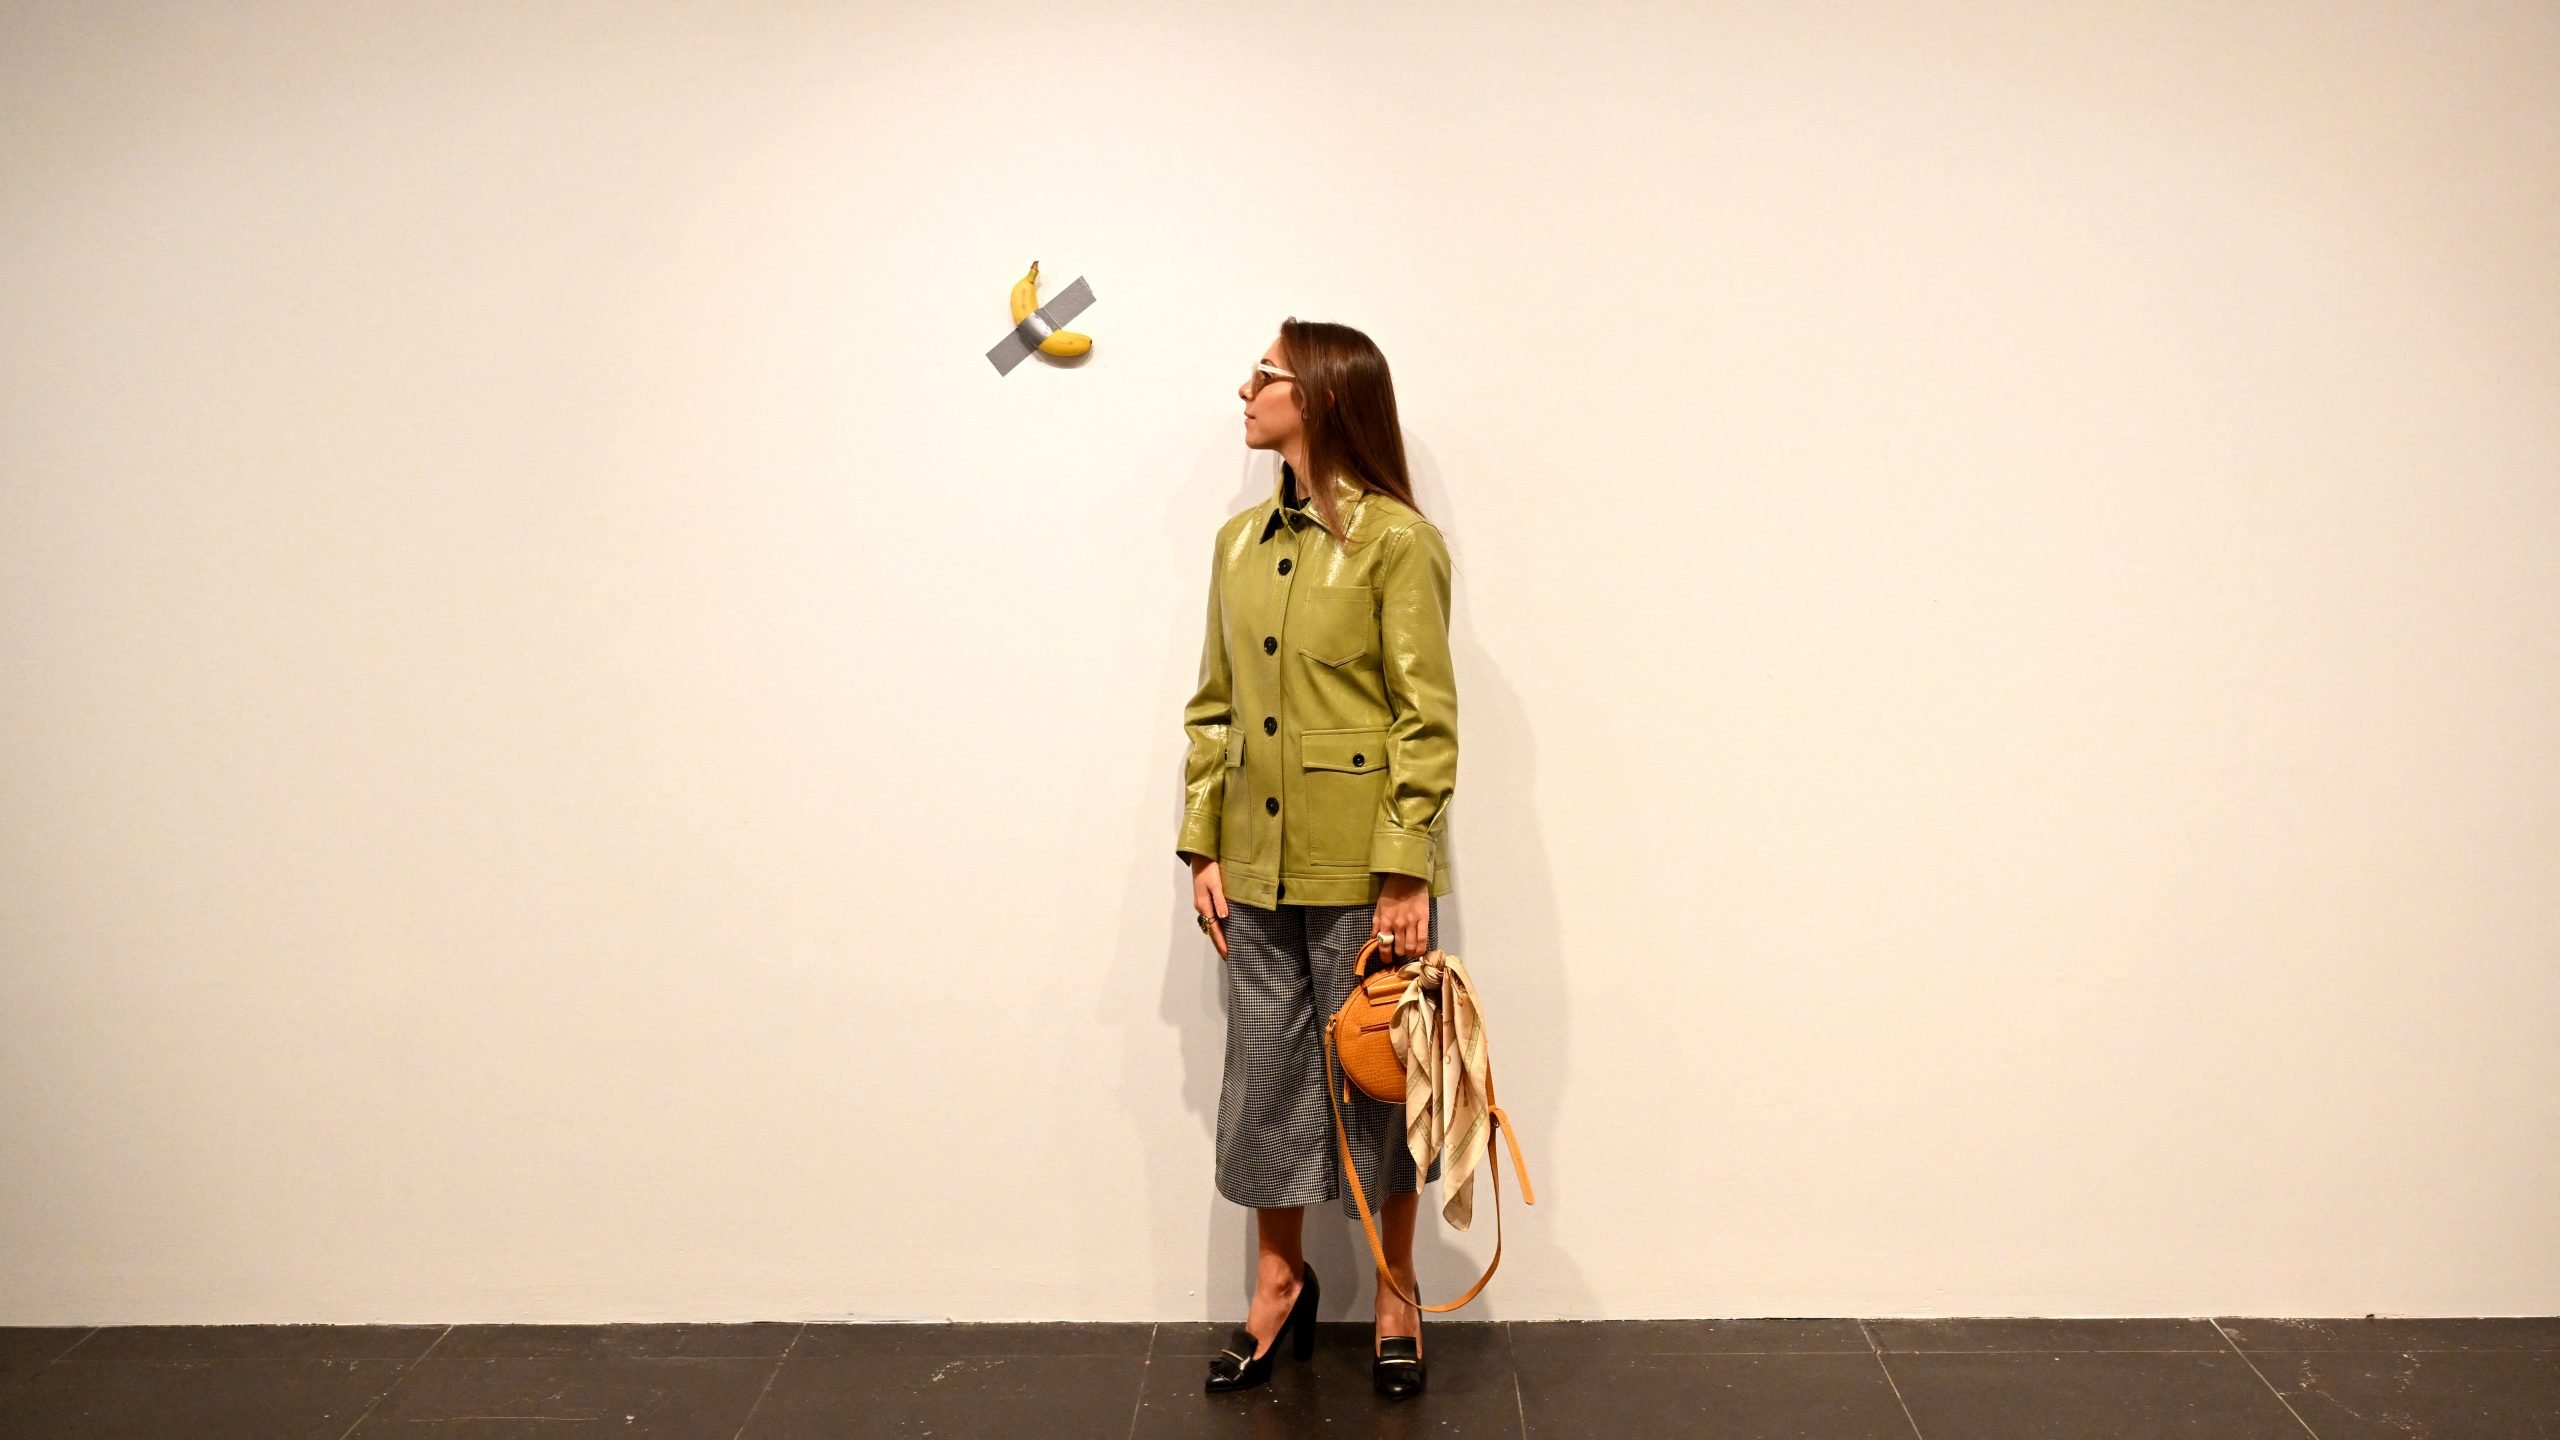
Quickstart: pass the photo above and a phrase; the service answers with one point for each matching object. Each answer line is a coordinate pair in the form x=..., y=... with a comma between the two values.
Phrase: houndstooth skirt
x=1287, y=969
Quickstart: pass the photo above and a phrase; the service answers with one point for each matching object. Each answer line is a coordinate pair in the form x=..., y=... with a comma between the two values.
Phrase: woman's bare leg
x=1395, y=1236
x=1279, y=1270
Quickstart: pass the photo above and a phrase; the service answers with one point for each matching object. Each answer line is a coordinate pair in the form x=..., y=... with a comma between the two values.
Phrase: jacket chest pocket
x=1345, y=777
x=1335, y=624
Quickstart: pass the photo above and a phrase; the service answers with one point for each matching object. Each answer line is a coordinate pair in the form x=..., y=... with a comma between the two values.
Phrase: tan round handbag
x=1364, y=1025
x=1361, y=1039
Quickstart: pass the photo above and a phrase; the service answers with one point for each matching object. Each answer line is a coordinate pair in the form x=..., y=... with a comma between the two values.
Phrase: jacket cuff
x=1199, y=834
x=1400, y=852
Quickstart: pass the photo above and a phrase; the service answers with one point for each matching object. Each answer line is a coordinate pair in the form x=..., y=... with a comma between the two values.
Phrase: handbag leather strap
x=1492, y=1164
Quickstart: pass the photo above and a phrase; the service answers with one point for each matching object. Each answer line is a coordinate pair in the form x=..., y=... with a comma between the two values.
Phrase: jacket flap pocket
x=1235, y=747
x=1343, y=749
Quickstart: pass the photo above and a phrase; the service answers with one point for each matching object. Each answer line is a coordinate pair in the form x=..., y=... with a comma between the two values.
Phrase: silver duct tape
x=1039, y=325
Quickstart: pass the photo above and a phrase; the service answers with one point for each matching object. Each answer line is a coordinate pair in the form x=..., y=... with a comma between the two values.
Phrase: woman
x=1323, y=751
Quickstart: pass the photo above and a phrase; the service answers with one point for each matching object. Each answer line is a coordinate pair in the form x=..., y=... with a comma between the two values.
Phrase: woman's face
x=1271, y=419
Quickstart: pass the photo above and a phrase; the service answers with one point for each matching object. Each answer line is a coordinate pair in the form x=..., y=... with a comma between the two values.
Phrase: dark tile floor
x=2225, y=1379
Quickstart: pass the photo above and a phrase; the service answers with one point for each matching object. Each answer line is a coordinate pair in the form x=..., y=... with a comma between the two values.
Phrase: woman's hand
x=1404, y=912
x=1209, y=897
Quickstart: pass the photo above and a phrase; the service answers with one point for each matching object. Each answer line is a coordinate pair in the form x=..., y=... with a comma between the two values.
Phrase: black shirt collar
x=1296, y=500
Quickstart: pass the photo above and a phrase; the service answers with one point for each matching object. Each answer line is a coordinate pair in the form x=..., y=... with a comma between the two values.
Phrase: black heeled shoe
x=1239, y=1368
x=1397, y=1371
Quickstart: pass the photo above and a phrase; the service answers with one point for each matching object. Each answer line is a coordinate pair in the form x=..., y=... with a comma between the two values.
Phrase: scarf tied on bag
x=1448, y=1087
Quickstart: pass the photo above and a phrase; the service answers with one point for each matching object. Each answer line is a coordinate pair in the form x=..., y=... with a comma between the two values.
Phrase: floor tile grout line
x=1890, y=1383
x=1517, y=1397
x=413, y=1362
x=1617, y=1351
x=778, y=1362
x=1146, y=1371
x=2262, y=1378
x=2059, y=1350
x=2404, y=1350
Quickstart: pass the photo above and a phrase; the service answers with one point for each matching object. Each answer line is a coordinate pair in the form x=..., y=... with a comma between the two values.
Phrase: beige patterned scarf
x=1447, y=1084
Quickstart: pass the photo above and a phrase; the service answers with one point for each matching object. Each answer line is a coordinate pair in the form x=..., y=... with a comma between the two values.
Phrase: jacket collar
x=1351, y=499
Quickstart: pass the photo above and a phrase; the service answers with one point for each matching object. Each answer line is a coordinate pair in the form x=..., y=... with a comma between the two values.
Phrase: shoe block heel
x=1302, y=1338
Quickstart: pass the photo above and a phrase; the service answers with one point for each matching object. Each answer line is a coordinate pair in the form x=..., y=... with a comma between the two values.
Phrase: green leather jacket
x=1324, y=732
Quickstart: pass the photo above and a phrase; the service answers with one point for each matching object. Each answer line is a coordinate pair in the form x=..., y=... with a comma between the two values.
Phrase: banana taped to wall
x=1035, y=326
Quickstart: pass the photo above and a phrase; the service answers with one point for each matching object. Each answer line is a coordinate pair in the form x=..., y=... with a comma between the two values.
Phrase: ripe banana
x=1026, y=298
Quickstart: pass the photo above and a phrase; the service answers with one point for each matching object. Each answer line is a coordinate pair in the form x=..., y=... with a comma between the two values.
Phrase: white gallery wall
x=571, y=751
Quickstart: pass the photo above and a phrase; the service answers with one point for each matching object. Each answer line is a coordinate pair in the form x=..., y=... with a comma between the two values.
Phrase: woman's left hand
x=1404, y=912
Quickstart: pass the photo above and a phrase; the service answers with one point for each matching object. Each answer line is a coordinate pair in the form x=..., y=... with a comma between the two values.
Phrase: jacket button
x=1270, y=724
x=1357, y=759
x=1284, y=567
x=1270, y=643
x=1271, y=806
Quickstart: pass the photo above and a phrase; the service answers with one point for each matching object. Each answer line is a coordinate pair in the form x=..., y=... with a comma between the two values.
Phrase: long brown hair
x=1348, y=402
